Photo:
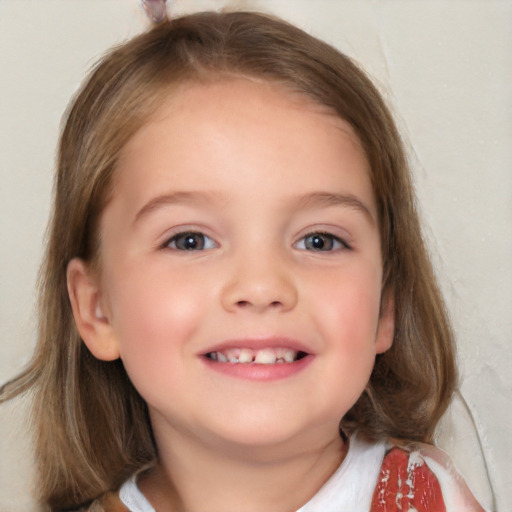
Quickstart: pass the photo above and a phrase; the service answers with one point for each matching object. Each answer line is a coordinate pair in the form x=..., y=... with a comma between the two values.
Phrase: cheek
x=346, y=318
x=348, y=304
x=153, y=315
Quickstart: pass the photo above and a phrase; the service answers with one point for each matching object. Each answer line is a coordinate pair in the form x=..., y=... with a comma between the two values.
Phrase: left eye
x=190, y=241
x=321, y=242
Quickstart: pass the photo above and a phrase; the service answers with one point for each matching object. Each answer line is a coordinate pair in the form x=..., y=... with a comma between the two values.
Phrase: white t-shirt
x=352, y=486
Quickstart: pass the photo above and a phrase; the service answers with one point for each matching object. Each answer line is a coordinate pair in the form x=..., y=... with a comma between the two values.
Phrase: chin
x=264, y=441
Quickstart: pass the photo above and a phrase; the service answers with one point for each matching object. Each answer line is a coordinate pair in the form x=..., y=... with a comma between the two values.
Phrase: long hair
x=92, y=427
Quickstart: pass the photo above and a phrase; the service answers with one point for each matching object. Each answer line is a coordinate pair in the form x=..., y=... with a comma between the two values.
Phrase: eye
x=190, y=241
x=321, y=242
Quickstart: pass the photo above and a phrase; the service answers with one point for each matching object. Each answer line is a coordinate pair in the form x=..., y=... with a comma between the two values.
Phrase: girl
x=237, y=309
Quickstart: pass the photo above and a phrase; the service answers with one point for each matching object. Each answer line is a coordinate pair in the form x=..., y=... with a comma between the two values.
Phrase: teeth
x=289, y=356
x=246, y=356
x=232, y=358
x=265, y=356
x=249, y=356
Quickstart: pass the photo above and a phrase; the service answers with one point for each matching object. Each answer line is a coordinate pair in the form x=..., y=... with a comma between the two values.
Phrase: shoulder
x=109, y=502
x=423, y=478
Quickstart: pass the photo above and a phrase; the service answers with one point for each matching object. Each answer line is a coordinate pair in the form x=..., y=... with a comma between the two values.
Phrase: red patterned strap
x=407, y=483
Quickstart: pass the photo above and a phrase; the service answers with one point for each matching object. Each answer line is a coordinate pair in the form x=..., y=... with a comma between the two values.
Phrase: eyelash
x=336, y=243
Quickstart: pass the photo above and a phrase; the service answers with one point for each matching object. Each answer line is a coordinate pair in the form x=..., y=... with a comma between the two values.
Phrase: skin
x=255, y=169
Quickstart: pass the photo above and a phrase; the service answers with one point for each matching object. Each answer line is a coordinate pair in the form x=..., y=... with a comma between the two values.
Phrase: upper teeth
x=247, y=355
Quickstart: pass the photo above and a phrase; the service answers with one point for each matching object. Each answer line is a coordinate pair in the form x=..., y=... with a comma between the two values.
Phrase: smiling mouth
x=267, y=356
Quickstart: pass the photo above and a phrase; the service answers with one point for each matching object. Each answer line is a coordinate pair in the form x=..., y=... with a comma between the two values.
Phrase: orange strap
x=109, y=502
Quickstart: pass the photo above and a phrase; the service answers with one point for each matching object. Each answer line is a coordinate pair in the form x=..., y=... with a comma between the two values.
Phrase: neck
x=190, y=476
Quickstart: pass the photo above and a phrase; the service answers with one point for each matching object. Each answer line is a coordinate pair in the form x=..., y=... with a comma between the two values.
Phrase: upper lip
x=259, y=343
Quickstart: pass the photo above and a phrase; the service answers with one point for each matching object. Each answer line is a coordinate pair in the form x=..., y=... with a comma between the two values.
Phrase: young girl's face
x=243, y=227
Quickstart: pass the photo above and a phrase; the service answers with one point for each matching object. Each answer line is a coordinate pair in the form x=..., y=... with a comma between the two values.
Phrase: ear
x=386, y=326
x=89, y=313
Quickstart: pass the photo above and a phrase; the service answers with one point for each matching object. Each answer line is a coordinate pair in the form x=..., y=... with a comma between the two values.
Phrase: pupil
x=318, y=242
x=191, y=242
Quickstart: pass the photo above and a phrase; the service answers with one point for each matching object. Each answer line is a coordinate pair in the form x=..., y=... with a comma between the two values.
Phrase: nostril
x=246, y=304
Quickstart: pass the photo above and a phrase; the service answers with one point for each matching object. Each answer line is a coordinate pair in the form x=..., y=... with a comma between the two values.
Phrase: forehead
x=230, y=131
x=192, y=99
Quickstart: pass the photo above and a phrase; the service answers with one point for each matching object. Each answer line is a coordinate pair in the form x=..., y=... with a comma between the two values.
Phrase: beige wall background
x=445, y=67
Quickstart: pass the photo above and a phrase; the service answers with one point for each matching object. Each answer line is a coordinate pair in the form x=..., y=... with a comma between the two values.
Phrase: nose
x=262, y=282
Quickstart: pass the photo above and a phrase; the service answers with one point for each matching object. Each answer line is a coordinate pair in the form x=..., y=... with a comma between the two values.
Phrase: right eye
x=190, y=241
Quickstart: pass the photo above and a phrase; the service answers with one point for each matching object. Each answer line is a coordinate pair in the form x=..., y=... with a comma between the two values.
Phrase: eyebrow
x=172, y=199
x=315, y=199
x=327, y=199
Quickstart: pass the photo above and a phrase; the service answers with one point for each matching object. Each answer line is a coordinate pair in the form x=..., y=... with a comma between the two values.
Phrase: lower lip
x=259, y=372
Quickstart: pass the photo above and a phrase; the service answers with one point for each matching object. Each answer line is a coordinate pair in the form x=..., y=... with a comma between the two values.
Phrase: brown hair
x=92, y=426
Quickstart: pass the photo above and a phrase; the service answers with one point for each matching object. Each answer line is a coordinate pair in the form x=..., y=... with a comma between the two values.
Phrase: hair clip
x=156, y=10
